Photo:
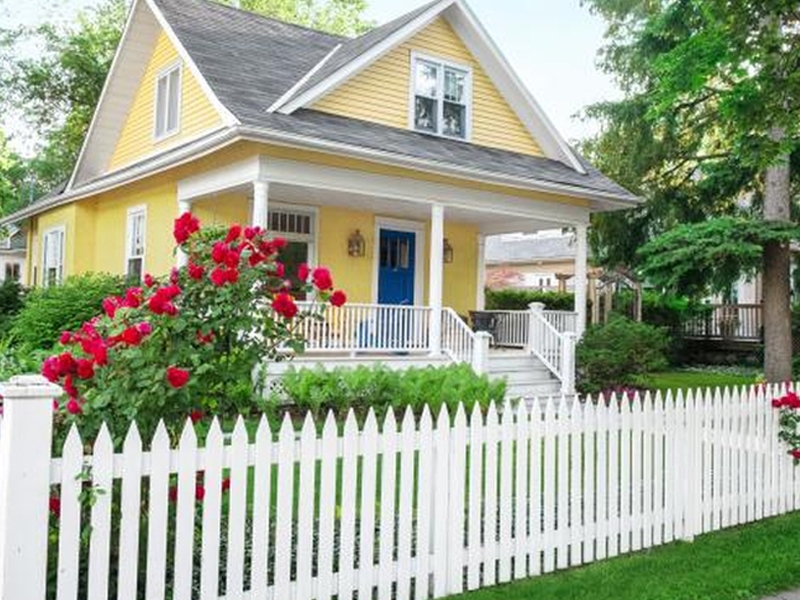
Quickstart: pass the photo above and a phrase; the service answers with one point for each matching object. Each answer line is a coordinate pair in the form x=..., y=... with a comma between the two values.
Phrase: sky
x=552, y=45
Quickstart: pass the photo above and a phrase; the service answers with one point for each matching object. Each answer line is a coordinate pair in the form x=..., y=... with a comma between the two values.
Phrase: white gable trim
x=478, y=41
x=365, y=59
x=116, y=65
x=292, y=90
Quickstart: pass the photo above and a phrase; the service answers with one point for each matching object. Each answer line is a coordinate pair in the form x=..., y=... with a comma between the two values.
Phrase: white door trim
x=416, y=227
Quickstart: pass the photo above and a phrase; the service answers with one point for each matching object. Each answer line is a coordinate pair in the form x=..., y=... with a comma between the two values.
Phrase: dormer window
x=168, y=101
x=442, y=97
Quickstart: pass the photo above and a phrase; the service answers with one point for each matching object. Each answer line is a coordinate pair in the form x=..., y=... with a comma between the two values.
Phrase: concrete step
x=522, y=377
x=551, y=388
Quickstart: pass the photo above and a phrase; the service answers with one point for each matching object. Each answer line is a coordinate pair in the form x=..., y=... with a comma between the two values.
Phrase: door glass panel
x=295, y=254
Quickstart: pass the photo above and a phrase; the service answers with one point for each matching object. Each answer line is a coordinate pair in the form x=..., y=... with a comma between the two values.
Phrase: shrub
x=380, y=388
x=521, y=299
x=12, y=299
x=614, y=354
x=49, y=311
x=186, y=346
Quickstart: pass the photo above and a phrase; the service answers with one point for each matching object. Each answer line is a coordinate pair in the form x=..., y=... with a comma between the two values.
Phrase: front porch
x=409, y=253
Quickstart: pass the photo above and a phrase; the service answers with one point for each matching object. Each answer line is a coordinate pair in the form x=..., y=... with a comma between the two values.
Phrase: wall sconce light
x=447, y=251
x=356, y=246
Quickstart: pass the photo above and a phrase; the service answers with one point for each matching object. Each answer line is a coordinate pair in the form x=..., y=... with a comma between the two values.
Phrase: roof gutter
x=229, y=135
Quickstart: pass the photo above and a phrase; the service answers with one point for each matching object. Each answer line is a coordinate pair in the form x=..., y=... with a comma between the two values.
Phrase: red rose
x=85, y=369
x=303, y=272
x=219, y=252
x=284, y=305
x=148, y=280
x=280, y=269
x=66, y=338
x=74, y=407
x=99, y=352
x=173, y=494
x=232, y=258
x=133, y=297
x=131, y=336
x=279, y=243
x=170, y=292
x=145, y=328
x=226, y=484
x=110, y=306
x=219, y=276
x=196, y=415
x=204, y=338
x=777, y=403
x=795, y=453
x=66, y=363
x=251, y=232
x=322, y=279
x=50, y=369
x=196, y=271
x=234, y=233
x=176, y=377
x=184, y=227
x=174, y=276
x=256, y=258
x=69, y=387
x=232, y=275
x=55, y=506
x=338, y=298
x=199, y=492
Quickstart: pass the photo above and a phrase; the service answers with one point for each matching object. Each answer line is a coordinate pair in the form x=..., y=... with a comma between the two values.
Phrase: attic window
x=442, y=97
x=168, y=104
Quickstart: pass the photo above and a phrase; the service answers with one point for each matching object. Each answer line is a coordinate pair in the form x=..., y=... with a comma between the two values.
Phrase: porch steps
x=525, y=375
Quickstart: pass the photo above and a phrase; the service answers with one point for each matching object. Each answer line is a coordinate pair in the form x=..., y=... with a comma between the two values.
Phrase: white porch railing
x=368, y=328
x=458, y=340
x=512, y=328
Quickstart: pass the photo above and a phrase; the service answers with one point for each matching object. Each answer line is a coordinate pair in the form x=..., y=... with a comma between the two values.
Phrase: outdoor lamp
x=356, y=245
x=447, y=251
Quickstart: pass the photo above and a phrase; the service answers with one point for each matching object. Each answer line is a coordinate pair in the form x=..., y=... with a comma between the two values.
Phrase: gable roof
x=504, y=249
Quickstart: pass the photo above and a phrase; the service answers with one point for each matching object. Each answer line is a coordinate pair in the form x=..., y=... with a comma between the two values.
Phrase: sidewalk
x=790, y=595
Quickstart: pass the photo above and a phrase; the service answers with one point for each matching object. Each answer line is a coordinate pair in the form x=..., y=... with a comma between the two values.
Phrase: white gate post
x=480, y=352
x=568, y=363
x=25, y=441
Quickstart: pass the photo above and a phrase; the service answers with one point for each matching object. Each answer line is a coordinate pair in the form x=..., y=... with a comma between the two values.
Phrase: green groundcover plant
x=186, y=346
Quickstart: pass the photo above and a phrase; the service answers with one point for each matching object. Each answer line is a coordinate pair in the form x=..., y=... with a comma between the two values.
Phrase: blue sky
x=552, y=44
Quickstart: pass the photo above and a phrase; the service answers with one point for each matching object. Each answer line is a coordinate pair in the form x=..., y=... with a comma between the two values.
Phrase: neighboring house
x=13, y=250
x=543, y=261
x=387, y=158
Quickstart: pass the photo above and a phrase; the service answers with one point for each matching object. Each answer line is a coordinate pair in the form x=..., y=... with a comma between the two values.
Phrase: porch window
x=53, y=256
x=12, y=272
x=168, y=94
x=135, y=243
x=297, y=226
x=442, y=96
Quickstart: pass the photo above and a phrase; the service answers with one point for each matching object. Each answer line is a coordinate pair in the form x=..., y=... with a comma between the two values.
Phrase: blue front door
x=396, y=267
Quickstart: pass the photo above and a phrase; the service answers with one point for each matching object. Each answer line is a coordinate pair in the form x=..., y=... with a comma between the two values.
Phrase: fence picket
x=406, y=497
x=387, y=514
x=506, y=490
x=521, y=494
x=369, y=477
x=157, y=517
x=347, y=523
x=424, y=503
x=237, y=507
x=284, y=510
x=490, y=516
x=455, y=493
x=549, y=487
x=576, y=426
x=262, y=480
x=441, y=441
x=647, y=471
x=659, y=436
x=70, y=520
x=589, y=468
x=184, y=514
x=130, y=515
x=536, y=485
x=601, y=514
x=100, y=542
x=626, y=445
x=562, y=485
x=212, y=508
x=637, y=479
x=475, y=518
x=327, y=509
x=305, y=509
x=614, y=478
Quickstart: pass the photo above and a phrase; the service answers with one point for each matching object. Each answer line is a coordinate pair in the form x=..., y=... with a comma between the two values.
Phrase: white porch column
x=184, y=206
x=260, y=204
x=436, y=277
x=480, y=299
x=581, y=278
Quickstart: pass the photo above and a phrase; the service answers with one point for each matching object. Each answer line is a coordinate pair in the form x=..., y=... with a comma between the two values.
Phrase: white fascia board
x=365, y=59
x=106, y=84
x=227, y=116
x=291, y=91
x=223, y=178
x=491, y=58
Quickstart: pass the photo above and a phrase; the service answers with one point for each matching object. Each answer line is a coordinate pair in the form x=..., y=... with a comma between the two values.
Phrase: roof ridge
x=250, y=13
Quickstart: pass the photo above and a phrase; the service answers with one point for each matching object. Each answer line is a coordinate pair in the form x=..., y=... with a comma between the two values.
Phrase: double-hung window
x=53, y=256
x=135, y=242
x=442, y=97
x=168, y=101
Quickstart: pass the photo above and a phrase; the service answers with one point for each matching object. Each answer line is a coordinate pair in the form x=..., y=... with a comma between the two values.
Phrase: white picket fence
x=420, y=509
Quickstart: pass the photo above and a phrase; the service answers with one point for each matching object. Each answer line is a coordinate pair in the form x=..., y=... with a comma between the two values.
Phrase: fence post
x=568, y=363
x=536, y=310
x=25, y=441
x=693, y=448
x=480, y=352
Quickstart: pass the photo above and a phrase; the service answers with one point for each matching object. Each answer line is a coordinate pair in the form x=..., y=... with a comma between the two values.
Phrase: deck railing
x=512, y=328
x=741, y=322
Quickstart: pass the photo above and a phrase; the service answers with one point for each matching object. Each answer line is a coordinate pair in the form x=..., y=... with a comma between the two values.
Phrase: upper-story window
x=135, y=242
x=168, y=101
x=53, y=256
x=442, y=97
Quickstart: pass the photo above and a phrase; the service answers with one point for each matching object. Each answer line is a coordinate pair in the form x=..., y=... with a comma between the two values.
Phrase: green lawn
x=746, y=562
x=675, y=380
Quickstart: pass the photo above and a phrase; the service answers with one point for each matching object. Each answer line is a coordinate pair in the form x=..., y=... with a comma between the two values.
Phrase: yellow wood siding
x=380, y=94
x=197, y=114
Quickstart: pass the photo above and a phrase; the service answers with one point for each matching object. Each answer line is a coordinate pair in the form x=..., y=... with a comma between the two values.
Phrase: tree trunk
x=776, y=285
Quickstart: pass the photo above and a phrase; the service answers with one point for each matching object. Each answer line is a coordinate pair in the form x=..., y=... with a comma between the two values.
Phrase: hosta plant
x=187, y=345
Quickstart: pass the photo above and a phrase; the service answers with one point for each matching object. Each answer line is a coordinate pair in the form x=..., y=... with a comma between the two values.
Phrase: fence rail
x=420, y=508
x=729, y=322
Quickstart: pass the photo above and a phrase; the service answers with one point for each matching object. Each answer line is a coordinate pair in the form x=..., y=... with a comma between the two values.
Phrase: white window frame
x=412, y=92
x=133, y=212
x=60, y=229
x=311, y=239
x=167, y=72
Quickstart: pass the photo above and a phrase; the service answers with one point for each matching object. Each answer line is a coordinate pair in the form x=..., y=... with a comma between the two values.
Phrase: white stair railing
x=563, y=321
x=555, y=349
x=458, y=340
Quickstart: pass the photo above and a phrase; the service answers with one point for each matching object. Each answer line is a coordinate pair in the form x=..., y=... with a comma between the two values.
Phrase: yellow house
x=387, y=157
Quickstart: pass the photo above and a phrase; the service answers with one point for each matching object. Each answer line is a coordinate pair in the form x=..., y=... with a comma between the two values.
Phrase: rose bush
x=187, y=345
x=789, y=422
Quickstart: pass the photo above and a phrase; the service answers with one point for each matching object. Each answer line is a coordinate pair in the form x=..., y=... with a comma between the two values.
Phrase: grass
x=675, y=380
x=747, y=562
